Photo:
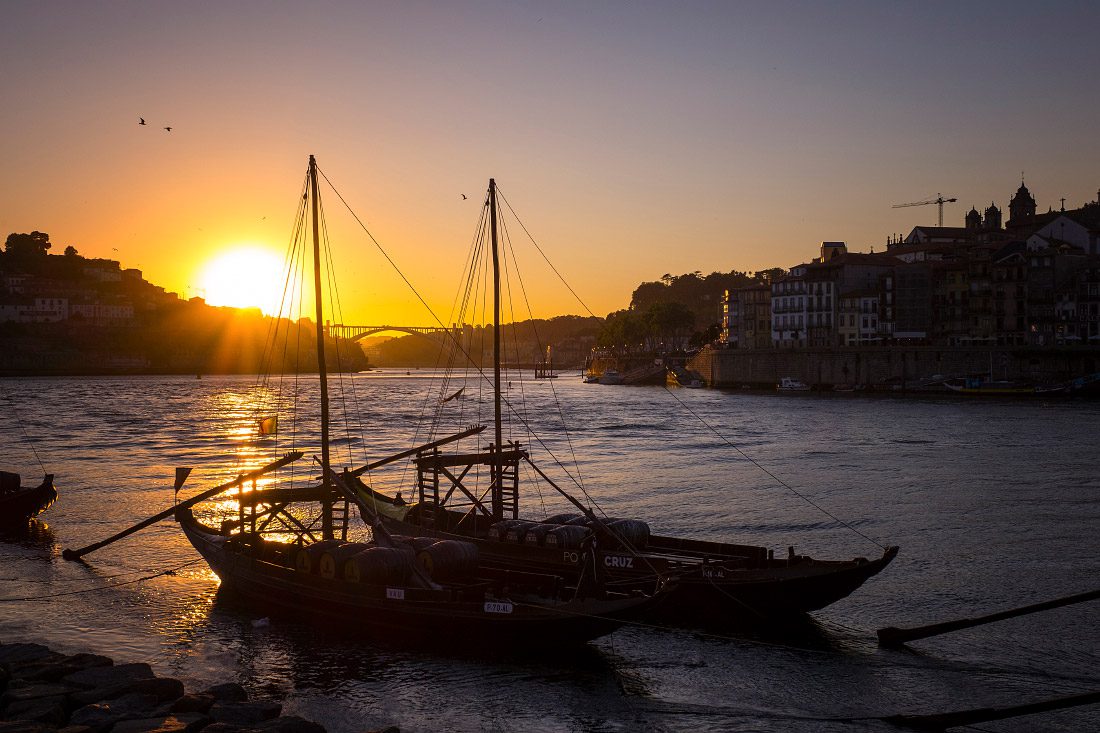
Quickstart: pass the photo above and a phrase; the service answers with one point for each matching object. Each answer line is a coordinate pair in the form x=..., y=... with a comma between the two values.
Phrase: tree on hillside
x=670, y=324
x=22, y=246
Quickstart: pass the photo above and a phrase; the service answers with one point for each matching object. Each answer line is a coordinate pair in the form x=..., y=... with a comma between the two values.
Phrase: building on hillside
x=26, y=309
x=858, y=318
x=746, y=317
x=805, y=303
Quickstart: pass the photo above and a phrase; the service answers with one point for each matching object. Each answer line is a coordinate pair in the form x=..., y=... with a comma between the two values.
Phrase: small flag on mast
x=181, y=476
x=268, y=425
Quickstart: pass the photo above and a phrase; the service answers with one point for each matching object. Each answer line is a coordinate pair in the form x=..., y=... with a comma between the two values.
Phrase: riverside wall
x=896, y=364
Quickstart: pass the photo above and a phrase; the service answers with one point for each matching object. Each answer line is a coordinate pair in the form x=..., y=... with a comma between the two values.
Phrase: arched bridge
x=354, y=333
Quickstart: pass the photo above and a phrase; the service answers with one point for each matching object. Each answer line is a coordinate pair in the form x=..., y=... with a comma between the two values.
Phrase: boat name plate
x=395, y=594
x=618, y=561
x=497, y=607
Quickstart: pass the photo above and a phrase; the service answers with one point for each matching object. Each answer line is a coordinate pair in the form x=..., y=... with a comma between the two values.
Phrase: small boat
x=611, y=376
x=790, y=384
x=21, y=503
x=978, y=386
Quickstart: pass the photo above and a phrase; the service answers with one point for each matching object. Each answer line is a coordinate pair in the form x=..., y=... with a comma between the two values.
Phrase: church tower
x=1021, y=209
x=992, y=218
x=973, y=220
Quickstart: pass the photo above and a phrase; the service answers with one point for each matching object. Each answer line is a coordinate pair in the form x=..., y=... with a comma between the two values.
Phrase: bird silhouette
x=463, y=197
x=142, y=122
x=169, y=129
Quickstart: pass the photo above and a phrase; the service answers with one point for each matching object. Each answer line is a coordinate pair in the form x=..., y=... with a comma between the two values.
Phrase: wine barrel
x=499, y=529
x=518, y=531
x=305, y=559
x=536, y=535
x=632, y=533
x=560, y=518
x=379, y=566
x=330, y=562
x=448, y=560
x=567, y=536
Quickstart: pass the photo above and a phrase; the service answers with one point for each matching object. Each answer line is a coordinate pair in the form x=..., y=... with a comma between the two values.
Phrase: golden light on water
x=247, y=276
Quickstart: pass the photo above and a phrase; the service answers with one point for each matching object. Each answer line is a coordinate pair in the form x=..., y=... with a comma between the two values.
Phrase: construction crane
x=938, y=200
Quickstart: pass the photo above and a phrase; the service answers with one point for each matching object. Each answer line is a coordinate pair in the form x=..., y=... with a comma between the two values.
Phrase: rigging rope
x=576, y=481
x=169, y=571
x=23, y=430
x=775, y=478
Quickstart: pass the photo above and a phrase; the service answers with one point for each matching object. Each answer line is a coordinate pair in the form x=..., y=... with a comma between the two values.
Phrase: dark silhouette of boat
x=18, y=503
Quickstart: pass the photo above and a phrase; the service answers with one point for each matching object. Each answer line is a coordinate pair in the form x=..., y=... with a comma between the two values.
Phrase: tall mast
x=496, y=468
x=326, y=514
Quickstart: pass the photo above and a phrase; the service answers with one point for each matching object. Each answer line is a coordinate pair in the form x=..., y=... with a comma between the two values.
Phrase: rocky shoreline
x=43, y=691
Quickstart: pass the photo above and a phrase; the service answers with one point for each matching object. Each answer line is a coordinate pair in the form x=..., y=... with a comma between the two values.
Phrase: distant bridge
x=354, y=333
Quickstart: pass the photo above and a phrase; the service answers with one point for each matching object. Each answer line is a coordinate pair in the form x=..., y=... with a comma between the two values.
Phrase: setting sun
x=244, y=277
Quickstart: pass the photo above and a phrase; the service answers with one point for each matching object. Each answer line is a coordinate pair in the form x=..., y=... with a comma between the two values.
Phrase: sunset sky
x=634, y=139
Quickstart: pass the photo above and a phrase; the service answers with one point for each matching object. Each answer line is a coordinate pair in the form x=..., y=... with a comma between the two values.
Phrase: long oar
x=244, y=477
x=412, y=451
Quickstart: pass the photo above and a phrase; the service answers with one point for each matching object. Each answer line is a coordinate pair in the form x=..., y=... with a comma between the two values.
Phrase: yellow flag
x=268, y=425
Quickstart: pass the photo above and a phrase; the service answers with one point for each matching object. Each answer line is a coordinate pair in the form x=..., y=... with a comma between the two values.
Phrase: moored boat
x=790, y=384
x=19, y=503
x=978, y=386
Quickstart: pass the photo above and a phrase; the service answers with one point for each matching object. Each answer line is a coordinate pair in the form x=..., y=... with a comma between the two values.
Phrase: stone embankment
x=43, y=691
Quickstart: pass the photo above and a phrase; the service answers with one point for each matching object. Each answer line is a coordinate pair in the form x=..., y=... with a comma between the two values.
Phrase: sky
x=633, y=139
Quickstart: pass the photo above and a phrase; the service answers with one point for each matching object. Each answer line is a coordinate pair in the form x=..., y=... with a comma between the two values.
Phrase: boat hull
x=407, y=615
x=713, y=581
x=21, y=505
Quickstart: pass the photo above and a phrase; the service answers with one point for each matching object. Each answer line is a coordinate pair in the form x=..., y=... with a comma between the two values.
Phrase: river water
x=994, y=504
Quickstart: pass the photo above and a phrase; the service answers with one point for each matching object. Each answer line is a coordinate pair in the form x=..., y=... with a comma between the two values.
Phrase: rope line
x=771, y=475
x=169, y=571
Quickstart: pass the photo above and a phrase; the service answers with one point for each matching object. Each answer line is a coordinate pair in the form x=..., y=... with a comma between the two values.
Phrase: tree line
x=676, y=312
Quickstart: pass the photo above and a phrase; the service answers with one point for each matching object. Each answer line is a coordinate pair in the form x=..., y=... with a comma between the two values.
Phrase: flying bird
x=463, y=197
x=169, y=129
x=142, y=120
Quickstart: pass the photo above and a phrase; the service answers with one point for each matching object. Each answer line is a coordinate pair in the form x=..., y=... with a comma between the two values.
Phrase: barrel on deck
x=330, y=562
x=448, y=560
x=567, y=536
x=628, y=533
x=536, y=535
x=518, y=531
x=379, y=566
x=560, y=518
x=305, y=559
x=499, y=529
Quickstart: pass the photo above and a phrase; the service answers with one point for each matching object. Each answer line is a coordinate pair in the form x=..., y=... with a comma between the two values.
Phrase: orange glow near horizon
x=248, y=276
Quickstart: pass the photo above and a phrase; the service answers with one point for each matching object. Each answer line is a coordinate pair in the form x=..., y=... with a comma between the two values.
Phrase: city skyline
x=632, y=140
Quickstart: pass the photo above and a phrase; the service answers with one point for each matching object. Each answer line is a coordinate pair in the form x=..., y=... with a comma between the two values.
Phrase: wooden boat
x=428, y=591
x=20, y=503
x=714, y=580
x=978, y=386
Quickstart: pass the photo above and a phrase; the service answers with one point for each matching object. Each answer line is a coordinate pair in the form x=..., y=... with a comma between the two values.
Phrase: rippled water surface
x=994, y=505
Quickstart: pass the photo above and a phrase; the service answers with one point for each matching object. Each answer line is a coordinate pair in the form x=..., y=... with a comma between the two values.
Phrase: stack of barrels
x=570, y=531
x=360, y=562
